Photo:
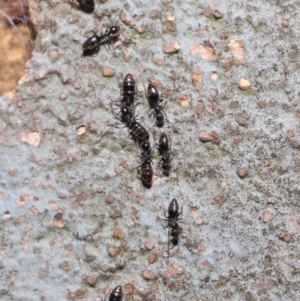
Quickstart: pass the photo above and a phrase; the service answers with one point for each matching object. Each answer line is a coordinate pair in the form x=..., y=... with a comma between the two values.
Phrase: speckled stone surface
x=75, y=218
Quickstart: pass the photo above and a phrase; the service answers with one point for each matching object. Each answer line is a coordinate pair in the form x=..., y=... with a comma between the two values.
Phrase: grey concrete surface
x=68, y=178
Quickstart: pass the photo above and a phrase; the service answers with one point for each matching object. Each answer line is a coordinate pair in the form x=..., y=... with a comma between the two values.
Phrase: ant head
x=115, y=31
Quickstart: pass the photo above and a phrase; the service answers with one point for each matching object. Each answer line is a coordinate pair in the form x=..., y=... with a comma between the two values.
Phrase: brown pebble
x=234, y=104
x=65, y=265
x=33, y=138
x=117, y=214
x=215, y=137
x=222, y=280
x=152, y=258
x=249, y=18
x=249, y=297
x=92, y=279
x=199, y=107
x=13, y=172
x=113, y=251
x=149, y=244
x=214, y=93
x=129, y=289
x=108, y=72
x=173, y=269
x=154, y=13
x=244, y=84
x=262, y=104
x=149, y=275
x=59, y=222
x=218, y=14
x=110, y=198
x=228, y=63
x=220, y=113
x=208, y=12
x=81, y=130
x=170, y=25
x=126, y=19
x=290, y=134
x=285, y=236
x=206, y=264
x=204, y=136
x=170, y=48
x=219, y=199
x=80, y=293
x=118, y=233
x=268, y=260
x=285, y=23
x=267, y=216
x=241, y=120
x=21, y=219
x=242, y=172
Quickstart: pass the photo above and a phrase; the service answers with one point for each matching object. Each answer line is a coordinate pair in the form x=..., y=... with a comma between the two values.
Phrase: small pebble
x=33, y=138
x=285, y=23
x=173, y=269
x=244, y=84
x=218, y=14
x=110, y=198
x=242, y=172
x=58, y=221
x=267, y=216
x=285, y=236
x=80, y=293
x=118, y=233
x=149, y=244
x=208, y=12
x=65, y=265
x=199, y=107
x=219, y=199
x=129, y=289
x=220, y=113
x=81, y=130
x=108, y=72
x=113, y=251
x=241, y=120
x=92, y=279
x=149, y=275
x=290, y=134
x=170, y=48
x=152, y=258
x=206, y=264
x=205, y=136
x=234, y=104
x=262, y=104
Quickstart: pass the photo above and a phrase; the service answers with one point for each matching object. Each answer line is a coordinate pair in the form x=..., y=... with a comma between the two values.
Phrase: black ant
x=92, y=44
x=127, y=101
x=87, y=6
x=157, y=109
x=165, y=151
x=174, y=230
x=129, y=85
x=146, y=148
x=146, y=171
x=116, y=294
x=137, y=131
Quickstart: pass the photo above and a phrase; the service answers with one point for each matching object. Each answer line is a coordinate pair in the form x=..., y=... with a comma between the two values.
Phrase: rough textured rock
x=68, y=165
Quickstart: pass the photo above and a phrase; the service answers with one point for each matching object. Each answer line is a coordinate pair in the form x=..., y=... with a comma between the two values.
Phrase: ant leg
x=174, y=129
